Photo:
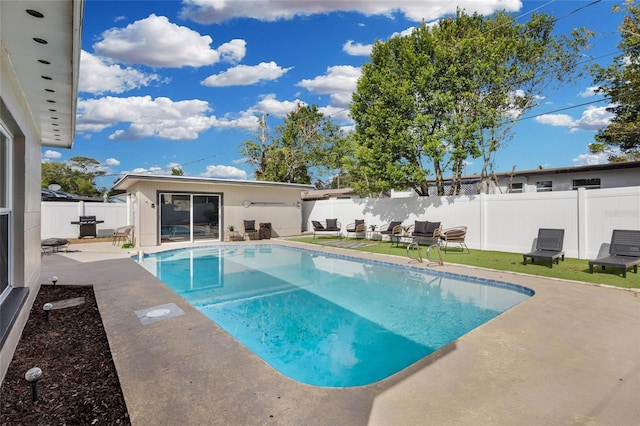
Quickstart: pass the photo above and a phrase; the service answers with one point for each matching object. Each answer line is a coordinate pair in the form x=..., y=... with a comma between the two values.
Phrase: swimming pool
x=329, y=320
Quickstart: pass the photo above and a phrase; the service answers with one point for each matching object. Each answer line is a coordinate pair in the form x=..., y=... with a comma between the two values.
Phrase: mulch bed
x=79, y=384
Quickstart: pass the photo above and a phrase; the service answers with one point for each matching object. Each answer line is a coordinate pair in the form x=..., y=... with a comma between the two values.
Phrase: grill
x=87, y=226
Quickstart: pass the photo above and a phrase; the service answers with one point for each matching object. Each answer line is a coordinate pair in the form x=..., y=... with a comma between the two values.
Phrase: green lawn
x=570, y=269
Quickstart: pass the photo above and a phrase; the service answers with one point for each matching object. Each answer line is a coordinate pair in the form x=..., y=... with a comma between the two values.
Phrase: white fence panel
x=609, y=209
x=56, y=217
x=502, y=222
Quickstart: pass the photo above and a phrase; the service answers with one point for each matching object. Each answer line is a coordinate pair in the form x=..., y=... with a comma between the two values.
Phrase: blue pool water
x=327, y=320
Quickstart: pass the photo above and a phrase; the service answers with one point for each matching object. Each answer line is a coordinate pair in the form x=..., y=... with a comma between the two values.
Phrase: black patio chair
x=357, y=228
x=624, y=252
x=548, y=246
x=250, y=230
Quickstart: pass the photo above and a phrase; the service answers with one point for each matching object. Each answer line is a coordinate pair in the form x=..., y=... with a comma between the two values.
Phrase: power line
x=561, y=109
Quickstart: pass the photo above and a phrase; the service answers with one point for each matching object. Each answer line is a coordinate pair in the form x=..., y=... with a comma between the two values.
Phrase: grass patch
x=570, y=269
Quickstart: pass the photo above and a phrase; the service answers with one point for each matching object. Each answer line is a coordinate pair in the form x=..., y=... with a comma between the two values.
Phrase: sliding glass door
x=189, y=217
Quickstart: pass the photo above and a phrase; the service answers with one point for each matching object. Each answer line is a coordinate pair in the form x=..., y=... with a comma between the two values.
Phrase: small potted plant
x=231, y=228
x=373, y=227
x=405, y=230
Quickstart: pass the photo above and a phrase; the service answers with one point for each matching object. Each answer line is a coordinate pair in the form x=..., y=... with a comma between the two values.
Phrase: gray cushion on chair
x=317, y=226
x=332, y=224
x=431, y=227
x=420, y=227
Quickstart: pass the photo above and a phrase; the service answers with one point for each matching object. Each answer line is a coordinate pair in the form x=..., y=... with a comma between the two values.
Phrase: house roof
x=50, y=195
x=558, y=170
x=128, y=180
x=323, y=194
x=41, y=39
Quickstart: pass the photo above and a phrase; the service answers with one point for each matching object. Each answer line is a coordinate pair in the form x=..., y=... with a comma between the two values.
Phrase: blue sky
x=183, y=83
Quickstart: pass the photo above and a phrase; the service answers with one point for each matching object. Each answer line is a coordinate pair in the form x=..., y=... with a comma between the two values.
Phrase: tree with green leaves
x=452, y=91
x=306, y=145
x=620, y=83
x=177, y=171
x=75, y=177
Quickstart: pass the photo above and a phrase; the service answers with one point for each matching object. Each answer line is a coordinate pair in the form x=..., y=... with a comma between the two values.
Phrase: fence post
x=581, y=208
x=482, y=207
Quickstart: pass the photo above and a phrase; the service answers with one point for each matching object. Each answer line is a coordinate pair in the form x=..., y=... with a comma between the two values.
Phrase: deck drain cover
x=159, y=313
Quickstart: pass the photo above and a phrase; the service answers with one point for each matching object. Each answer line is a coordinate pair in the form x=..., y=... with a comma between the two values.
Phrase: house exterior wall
x=25, y=202
x=281, y=206
x=564, y=181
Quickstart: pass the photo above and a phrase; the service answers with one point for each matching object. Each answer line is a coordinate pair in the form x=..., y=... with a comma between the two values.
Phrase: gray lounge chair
x=624, y=252
x=548, y=246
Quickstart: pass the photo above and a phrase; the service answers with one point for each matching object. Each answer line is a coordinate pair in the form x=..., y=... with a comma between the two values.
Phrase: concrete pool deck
x=568, y=355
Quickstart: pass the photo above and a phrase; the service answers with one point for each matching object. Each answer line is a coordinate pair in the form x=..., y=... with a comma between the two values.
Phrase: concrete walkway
x=568, y=355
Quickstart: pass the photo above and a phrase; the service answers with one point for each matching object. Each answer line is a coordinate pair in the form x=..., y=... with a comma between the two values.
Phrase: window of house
x=5, y=214
x=544, y=186
x=593, y=183
x=516, y=188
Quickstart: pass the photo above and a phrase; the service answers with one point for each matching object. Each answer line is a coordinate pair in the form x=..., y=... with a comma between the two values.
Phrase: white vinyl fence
x=502, y=222
x=57, y=216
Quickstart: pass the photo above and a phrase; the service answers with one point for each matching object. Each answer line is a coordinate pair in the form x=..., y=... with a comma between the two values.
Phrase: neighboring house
x=169, y=209
x=40, y=44
x=613, y=175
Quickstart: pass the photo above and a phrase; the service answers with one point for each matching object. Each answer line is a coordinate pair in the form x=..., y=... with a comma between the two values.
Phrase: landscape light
x=54, y=280
x=32, y=377
x=46, y=308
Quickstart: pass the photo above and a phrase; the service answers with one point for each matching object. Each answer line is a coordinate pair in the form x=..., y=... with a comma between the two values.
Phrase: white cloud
x=339, y=82
x=233, y=51
x=246, y=120
x=160, y=117
x=220, y=171
x=150, y=171
x=112, y=162
x=270, y=105
x=245, y=75
x=556, y=120
x=591, y=159
x=588, y=92
x=97, y=76
x=357, y=49
x=335, y=113
x=156, y=42
x=211, y=11
x=49, y=154
x=593, y=118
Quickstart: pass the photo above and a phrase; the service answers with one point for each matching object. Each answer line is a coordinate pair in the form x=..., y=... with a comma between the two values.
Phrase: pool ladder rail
x=416, y=246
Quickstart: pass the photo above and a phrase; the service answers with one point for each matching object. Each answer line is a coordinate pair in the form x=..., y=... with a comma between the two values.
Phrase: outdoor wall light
x=47, y=308
x=32, y=376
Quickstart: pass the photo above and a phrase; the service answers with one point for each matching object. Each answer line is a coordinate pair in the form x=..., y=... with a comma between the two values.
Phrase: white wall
x=502, y=222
